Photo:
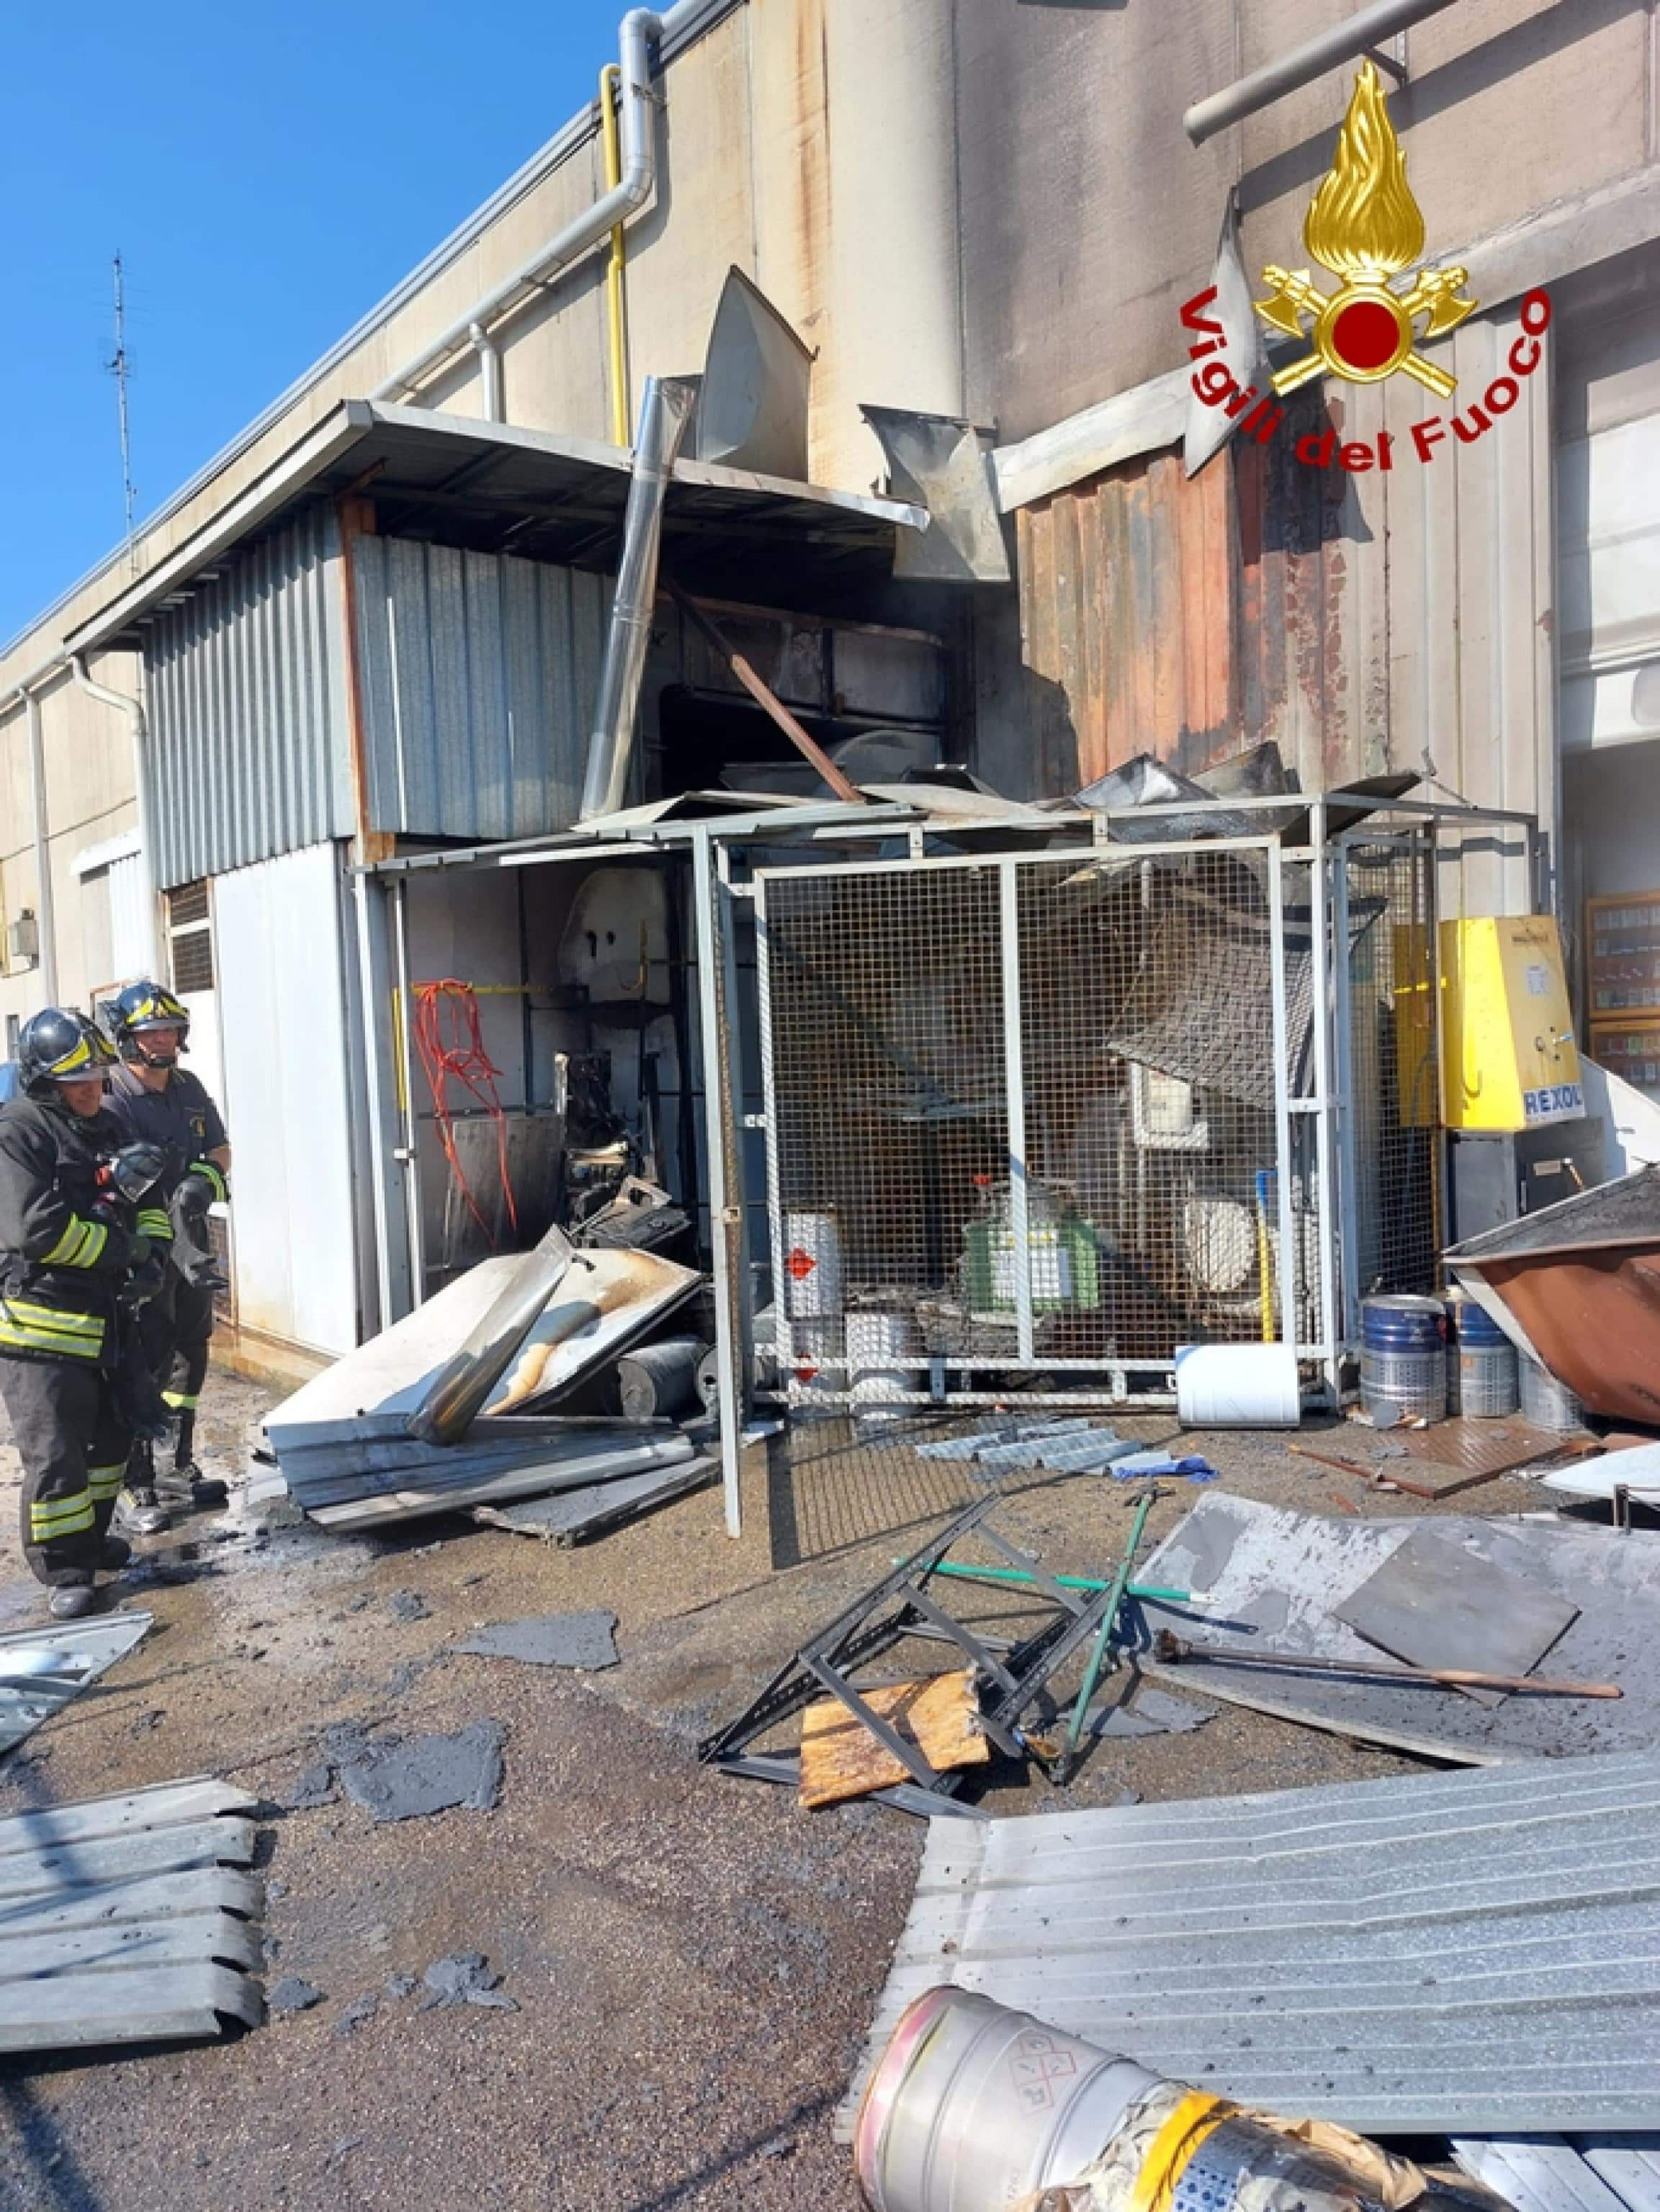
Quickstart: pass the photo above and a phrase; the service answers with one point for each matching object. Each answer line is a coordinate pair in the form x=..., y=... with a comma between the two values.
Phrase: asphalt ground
x=693, y=1959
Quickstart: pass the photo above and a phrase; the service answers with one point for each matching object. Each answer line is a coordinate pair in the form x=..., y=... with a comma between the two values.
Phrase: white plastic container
x=876, y=1339
x=811, y=1284
x=1238, y=1386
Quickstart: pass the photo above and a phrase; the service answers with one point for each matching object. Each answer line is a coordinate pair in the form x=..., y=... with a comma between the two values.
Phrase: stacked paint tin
x=878, y=1339
x=1481, y=1381
x=811, y=1292
x=1545, y=1402
x=1403, y=1357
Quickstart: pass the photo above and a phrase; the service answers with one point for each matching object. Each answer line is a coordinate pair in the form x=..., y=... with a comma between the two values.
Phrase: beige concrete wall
x=967, y=205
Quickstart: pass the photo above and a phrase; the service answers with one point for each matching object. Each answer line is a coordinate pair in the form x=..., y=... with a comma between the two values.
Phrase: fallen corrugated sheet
x=42, y=1668
x=1266, y=1580
x=1548, y=2173
x=1459, y=1954
x=128, y=1920
x=574, y=1515
x=659, y=1454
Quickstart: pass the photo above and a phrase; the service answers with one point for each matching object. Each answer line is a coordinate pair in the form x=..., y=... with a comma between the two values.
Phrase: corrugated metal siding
x=247, y=683
x=478, y=675
x=1358, y=620
x=1465, y=1953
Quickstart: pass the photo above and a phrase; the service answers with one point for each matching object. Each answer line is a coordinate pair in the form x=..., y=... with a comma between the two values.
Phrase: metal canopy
x=500, y=488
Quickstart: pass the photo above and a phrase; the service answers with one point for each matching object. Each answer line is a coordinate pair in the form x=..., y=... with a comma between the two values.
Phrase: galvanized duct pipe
x=1328, y=50
x=134, y=710
x=665, y=410
x=640, y=28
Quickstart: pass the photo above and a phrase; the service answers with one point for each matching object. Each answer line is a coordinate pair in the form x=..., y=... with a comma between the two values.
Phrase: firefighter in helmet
x=155, y=1100
x=72, y=1252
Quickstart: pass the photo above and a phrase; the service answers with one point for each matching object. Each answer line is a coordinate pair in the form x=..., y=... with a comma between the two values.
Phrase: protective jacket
x=63, y=1253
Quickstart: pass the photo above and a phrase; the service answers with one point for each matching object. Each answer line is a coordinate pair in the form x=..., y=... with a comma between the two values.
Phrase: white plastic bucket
x=809, y=1281
x=1238, y=1386
x=875, y=1341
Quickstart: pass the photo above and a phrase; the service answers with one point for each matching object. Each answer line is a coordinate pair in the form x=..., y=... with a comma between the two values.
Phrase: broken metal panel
x=752, y=408
x=1268, y=1580
x=944, y=464
x=570, y=1515
x=125, y=1919
x=477, y=674
x=1360, y=1953
x=42, y=1668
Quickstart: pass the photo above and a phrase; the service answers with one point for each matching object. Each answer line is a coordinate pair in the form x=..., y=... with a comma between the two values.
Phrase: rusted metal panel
x=1360, y=621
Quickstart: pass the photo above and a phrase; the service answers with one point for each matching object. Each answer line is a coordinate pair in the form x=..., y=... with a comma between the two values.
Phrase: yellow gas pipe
x=610, y=78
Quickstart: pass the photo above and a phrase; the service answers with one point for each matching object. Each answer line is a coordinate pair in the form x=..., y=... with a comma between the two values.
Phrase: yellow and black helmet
x=58, y=1045
x=143, y=1006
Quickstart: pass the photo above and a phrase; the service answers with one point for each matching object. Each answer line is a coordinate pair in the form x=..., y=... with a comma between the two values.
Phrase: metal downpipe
x=134, y=710
x=639, y=30
x=493, y=407
x=616, y=312
x=45, y=918
x=666, y=408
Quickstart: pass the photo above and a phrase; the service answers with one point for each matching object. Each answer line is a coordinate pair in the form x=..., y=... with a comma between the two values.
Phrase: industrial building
x=322, y=741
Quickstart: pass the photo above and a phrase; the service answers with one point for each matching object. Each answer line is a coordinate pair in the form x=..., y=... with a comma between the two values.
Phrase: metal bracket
x=1387, y=62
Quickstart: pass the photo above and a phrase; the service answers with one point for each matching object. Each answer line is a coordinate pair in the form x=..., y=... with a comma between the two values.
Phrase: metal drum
x=1545, y=1402
x=876, y=1339
x=972, y=2105
x=1403, y=1357
x=1484, y=1360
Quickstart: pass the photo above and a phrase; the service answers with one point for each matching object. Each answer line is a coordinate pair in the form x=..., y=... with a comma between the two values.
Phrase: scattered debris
x=1272, y=1584
x=1324, y=1937
x=1477, y=1450
x=399, y=1986
x=42, y=1668
x=1152, y=1466
x=1146, y=1709
x=465, y=1978
x=572, y=1516
x=1436, y=1605
x=1552, y=2173
x=1011, y=1679
x=129, y=1918
x=583, y=1640
x=407, y=1605
x=317, y=1786
x=396, y=1780
x=840, y=1759
x=352, y=2016
x=292, y=1995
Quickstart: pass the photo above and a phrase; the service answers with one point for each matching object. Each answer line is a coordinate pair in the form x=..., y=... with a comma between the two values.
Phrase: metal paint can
x=811, y=1283
x=1544, y=1401
x=972, y=2105
x=1403, y=1356
x=1481, y=1379
x=876, y=1340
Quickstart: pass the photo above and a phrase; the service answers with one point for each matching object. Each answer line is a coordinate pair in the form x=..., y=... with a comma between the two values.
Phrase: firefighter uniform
x=63, y=1257
x=177, y=1325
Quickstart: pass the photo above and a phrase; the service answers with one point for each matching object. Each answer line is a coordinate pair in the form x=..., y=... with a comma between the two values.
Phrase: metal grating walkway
x=129, y=1918
x=1468, y=1953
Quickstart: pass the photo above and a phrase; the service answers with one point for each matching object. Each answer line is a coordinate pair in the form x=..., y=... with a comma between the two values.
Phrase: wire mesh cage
x=1043, y=1119
x=1029, y=1116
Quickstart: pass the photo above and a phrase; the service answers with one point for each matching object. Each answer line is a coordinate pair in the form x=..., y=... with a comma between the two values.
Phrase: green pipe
x=1067, y=1581
x=1108, y=1622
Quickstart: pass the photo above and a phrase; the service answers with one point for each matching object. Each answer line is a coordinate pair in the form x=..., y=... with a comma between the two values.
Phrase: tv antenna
x=120, y=368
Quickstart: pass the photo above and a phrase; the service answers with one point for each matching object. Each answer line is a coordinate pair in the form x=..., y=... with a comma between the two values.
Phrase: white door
x=282, y=1020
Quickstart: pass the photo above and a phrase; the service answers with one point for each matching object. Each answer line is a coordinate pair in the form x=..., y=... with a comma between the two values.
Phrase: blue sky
x=267, y=174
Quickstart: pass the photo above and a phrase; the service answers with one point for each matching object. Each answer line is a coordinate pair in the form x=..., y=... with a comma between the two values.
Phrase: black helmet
x=58, y=1045
x=143, y=1006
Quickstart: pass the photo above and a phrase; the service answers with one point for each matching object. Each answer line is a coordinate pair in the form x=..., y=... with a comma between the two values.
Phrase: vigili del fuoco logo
x=1365, y=227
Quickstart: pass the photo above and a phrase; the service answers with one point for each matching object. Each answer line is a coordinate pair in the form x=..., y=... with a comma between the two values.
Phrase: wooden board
x=840, y=1759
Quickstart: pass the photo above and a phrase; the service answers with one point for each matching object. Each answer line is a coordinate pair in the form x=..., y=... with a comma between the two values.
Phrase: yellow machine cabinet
x=1508, y=1057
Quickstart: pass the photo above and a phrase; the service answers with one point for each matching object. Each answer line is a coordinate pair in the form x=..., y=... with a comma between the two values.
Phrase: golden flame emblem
x=1365, y=226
